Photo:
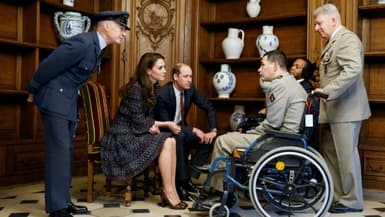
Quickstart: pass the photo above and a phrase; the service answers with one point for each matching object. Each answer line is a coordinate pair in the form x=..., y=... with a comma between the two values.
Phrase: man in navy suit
x=54, y=89
x=169, y=108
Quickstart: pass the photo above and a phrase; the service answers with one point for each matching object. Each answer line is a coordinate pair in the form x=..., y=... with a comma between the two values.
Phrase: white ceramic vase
x=224, y=81
x=267, y=41
x=253, y=8
x=237, y=117
x=70, y=23
x=233, y=44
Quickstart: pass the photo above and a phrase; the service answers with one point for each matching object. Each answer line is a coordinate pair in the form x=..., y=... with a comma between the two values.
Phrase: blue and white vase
x=70, y=23
x=237, y=117
x=267, y=41
x=224, y=81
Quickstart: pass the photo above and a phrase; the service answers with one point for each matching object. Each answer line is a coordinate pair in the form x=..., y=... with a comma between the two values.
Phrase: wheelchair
x=279, y=172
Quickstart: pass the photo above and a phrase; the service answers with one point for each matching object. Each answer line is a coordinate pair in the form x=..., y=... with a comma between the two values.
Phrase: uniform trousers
x=339, y=144
x=224, y=146
x=58, y=161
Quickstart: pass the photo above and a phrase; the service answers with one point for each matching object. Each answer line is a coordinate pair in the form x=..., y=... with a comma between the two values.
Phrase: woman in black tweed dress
x=134, y=140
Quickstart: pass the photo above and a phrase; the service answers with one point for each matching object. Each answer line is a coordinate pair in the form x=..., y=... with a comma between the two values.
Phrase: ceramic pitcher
x=233, y=44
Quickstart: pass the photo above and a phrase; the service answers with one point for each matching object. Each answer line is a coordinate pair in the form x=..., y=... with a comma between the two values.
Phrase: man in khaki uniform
x=342, y=112
x=285, y=104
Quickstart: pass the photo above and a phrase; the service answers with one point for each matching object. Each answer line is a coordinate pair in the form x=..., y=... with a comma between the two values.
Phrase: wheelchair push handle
x=319, y=94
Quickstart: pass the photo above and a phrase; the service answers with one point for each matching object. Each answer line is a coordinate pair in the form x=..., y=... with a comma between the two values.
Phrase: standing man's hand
x=30, y=98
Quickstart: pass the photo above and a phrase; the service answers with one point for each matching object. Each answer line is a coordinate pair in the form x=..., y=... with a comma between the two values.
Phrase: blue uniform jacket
x=59, y=77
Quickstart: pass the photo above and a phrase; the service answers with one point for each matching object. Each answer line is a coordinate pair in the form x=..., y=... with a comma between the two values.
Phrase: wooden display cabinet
x=290, y=26
x=293, y=24
x=27, y=36
x=370, y=28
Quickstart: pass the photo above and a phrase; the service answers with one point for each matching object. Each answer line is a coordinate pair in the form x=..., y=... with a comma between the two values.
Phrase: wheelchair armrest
x=286, y=135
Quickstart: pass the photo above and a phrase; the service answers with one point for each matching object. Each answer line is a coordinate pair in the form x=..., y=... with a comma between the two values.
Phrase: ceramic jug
x=70, y=23
x=233, y=44
x=253, y=8
x=224, y=81
x=267, y=41
x=237, y=117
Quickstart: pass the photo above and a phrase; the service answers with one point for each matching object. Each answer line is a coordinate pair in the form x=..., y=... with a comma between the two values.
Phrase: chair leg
x=146, y=182
x=90, y=182
x=128, y=193
x=108, y=187
x=157, y=180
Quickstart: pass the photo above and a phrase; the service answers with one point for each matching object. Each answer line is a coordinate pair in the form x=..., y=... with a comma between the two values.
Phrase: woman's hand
x=154, y=129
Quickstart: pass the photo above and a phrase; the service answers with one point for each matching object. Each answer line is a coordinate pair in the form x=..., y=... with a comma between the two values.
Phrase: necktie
x=181, y=100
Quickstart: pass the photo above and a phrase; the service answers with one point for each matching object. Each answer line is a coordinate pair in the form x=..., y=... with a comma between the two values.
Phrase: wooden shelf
x=236, y=100
x=375, y=54
x=253, y=22
x=13, y=92
x=57, y=6
x=374, y=10
x=26, y=45
x=376, y=100
x=242, y=60
x=17, y=43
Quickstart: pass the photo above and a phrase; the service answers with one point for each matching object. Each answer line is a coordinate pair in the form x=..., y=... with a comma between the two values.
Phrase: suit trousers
x=339, y=144
x=186, y=140
x=58, y=161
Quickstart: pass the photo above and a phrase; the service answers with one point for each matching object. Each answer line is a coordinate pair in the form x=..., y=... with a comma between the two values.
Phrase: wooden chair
x=97, y=121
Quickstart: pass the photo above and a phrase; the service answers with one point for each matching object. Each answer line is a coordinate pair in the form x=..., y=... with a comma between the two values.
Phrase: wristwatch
x=214, y=130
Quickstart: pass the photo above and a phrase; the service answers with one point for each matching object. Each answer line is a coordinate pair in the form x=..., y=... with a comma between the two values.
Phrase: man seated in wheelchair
x=285, y=104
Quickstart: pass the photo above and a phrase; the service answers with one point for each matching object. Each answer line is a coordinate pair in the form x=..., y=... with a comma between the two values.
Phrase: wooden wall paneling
x=9, y=13
x=9, y=120
x=315, y=43
x=3, y=160
x=47, y=31
x=8, y=62
x=27, y=36
x=29, y=16
x=370, y=21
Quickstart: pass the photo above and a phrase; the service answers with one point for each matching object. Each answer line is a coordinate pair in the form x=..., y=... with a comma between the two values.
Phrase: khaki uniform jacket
x=285, y=104
x=341, y=76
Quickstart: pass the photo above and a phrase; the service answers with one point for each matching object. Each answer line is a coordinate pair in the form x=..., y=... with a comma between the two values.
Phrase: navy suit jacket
x=57, y=80
x=166, y=104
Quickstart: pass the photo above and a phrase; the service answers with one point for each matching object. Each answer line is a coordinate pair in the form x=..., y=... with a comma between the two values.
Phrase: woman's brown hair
x=146, y=62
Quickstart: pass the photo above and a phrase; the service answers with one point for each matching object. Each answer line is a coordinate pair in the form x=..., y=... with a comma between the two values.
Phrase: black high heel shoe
x=165, y=202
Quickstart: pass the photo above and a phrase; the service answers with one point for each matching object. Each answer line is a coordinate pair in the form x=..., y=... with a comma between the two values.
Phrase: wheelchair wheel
x=291, y=179
x=217, y=211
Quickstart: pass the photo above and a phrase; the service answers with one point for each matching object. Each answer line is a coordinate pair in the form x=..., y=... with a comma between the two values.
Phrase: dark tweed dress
x=128, y=148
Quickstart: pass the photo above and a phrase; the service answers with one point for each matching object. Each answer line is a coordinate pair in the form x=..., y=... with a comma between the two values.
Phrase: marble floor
x=28, y=201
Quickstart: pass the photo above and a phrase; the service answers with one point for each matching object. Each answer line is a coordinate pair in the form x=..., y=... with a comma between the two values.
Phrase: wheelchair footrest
x=198, y=209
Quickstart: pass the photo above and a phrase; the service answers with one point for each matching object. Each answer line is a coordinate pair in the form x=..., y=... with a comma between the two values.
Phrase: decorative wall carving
x=156, y=20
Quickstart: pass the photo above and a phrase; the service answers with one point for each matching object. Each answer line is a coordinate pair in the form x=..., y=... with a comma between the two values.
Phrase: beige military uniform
x=285, y=103
x=341, y=77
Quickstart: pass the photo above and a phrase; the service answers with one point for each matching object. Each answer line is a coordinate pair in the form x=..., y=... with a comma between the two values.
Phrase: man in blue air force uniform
x=54, y=89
